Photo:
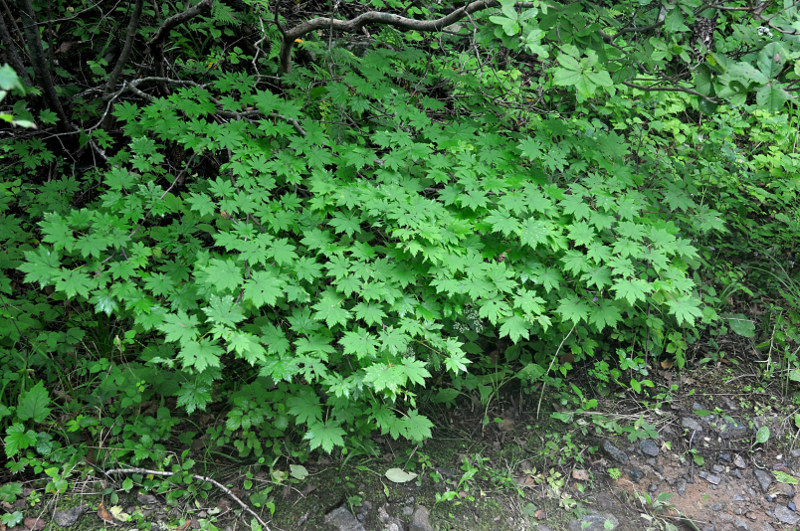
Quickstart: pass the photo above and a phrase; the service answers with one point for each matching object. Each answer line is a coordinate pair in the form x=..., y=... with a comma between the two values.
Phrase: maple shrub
x=326, y=274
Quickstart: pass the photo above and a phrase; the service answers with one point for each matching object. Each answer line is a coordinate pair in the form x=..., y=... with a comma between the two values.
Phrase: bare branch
x=176, y=20
x=372, y=18
x=130, y=36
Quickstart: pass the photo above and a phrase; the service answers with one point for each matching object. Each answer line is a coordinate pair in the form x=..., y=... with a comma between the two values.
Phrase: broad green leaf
x=762, y=435
x=398, y=475
x=33, y=404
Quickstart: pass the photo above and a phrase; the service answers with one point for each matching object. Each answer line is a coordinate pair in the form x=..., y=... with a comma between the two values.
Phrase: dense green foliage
x=305, y=253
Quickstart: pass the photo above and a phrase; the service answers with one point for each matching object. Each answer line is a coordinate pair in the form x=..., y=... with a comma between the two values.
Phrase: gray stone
x=725, y=457
x=717, y=469
x=691, y=424
x=636, y=474
x=711, y=478
x=343, y=520
x=68, y=517
x=390, y=523
x=649, y=447
x=680, y=487
x=615, y=453
x=741, y=524
x=785, y=515
x=739, y=461
x=593, y=522
x=764, y=479
x=733, y=429
x=420, y=520
x=408, y=511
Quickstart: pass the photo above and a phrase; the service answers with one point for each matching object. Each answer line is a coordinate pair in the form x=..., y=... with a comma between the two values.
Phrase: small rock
x=785, y=515
x=420, y=520
x=594, y=522
x=725, y=457
x=791, y=506
x=739, y=461
x=636, y=474
x=764, y=479
x=68, y=517
x=741, y=525
x=733, y=430
x=343, y=520
x=691, y=424
x=736, y=473
x=717, y=469
x=649, y=447
x=408, y=511
x=713, y=479
x=146, y=499
x=366, y=506
x=784, y=489
x=615, y=453
x=680, y=487
x=390, y=523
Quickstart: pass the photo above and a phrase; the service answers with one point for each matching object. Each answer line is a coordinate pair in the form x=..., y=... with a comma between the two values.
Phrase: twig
x=198, y=477
x=555, y=357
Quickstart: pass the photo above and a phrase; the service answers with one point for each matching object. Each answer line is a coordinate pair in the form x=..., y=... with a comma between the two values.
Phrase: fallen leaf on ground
x=103, y=513
x=34, y=524
x=580, y=474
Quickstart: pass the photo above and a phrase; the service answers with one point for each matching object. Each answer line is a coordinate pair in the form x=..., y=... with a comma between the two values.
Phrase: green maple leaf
x=329, y=308
x=194, y=396
x=573, y=309
x=222, y=275
x=607, y=313
x=305, y=406
x=41, y=265
x=360, y=343
x=515, y=327
x=247, y=346
x=581, y=233
x=685, y=309
x=535, y=232
x=502, y=222
x=33, y=404
x=75, y=282
x=200, y=355
x=631, y=289
x=325, y=435
x=369, y=312
x=416, y=427
x=493, y=309
x=181, y=327
x=415, y=371
x=529, y=302
x=223, y=311
x=282, y=251
x=263, y=287
x=382, y=376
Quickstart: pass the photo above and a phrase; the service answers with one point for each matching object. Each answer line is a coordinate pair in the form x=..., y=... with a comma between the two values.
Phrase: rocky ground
x=716, y=456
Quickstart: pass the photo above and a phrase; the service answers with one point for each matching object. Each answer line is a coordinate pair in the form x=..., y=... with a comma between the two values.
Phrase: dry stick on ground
x=198, y=477
x=130, y=36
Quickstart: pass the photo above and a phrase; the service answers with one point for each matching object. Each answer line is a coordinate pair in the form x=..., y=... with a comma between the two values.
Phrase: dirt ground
x=698, y=458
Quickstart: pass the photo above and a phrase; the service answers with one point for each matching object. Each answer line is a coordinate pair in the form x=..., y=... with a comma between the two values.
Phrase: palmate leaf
x=181, y=327
x=573, y=309
x=325, y=435
x=329, y=308
x=200, y=355
x=263, y=288
x=360, y=343
x=17, y=439
x=515, y=327
x=685, y=309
